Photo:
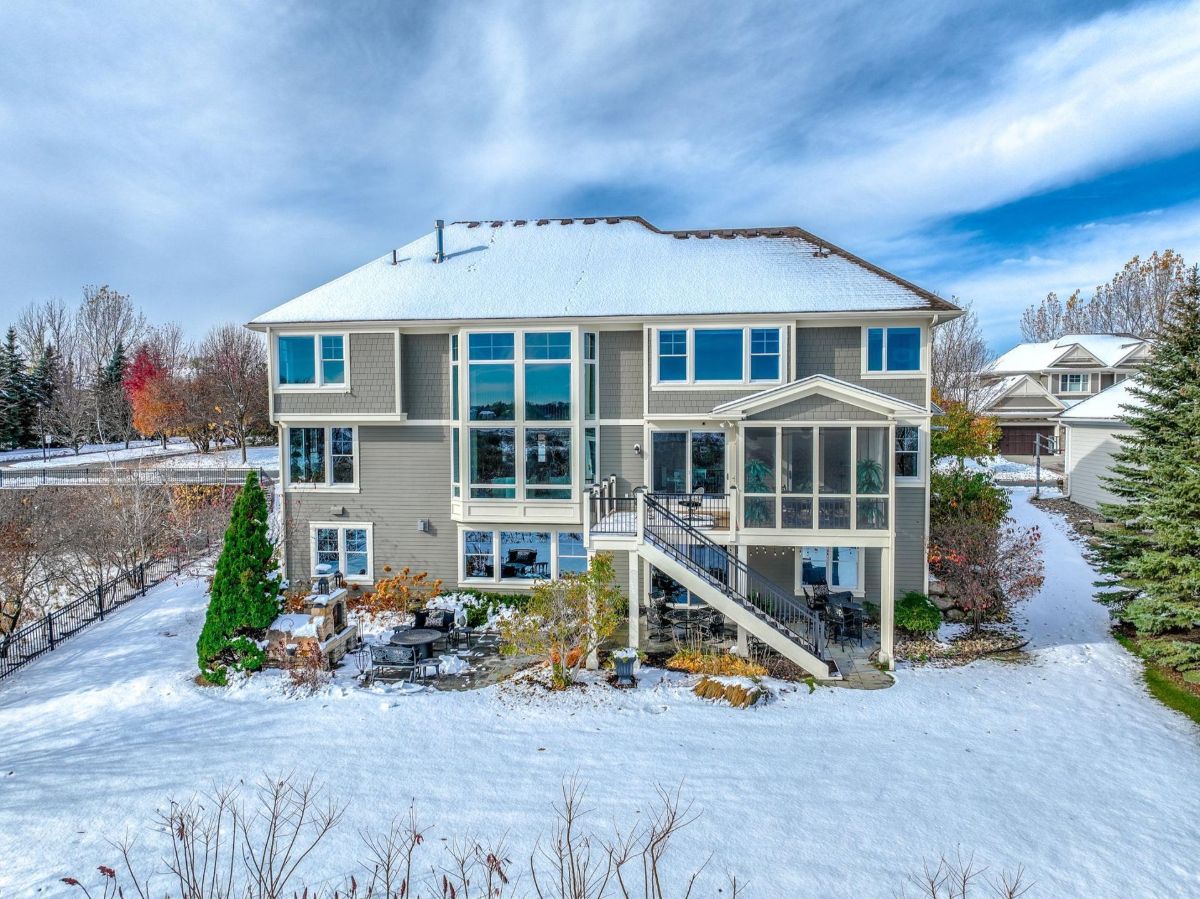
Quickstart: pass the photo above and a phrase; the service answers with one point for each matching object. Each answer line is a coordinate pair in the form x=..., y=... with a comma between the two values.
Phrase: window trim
x=859, y=590
x=328, y=486
x=318, y=374
x=342, y=527
x=885, y=372
x=690, y=382
x=919, y=477
x=1086, y=383
x=525, y=528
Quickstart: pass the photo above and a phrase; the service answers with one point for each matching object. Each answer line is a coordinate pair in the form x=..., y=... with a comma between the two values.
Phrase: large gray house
x=736, y=414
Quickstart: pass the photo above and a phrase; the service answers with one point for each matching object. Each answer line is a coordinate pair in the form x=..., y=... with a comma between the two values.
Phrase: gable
x=818, y=407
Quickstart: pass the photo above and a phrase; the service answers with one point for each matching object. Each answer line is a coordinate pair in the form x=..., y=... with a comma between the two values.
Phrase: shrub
x=308, y=670
x=738, y=695
x=955, y=495
x=481, y=601
x=695, y=661
x=1177, y=654
x=917, y=614
x=404, y=591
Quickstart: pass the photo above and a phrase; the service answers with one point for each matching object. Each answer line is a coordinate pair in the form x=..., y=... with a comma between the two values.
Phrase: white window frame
x=318, y=374
x=858, y=590
x=689, y=431
x=919, y=477
x=341, y=527
x=886, y=372
x=1085, y=383
x=690, y=382
x=328, y=486
x=530, y=528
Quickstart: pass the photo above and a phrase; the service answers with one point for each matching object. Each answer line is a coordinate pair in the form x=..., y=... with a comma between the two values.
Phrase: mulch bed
x=963, y=648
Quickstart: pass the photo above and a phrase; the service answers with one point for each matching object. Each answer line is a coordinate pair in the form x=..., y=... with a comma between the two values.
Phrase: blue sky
x=216, y=159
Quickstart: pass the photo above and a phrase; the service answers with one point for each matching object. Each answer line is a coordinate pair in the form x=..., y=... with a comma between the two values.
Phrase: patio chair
x=661, y=628
x=693, y=502
x=389, y=661
x=852, y=625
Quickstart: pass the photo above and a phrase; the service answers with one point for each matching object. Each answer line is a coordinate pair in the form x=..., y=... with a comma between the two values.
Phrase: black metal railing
x=694, y=550
x=613, y=514
x=105, y=475
x=708, y=511
x=47, y=632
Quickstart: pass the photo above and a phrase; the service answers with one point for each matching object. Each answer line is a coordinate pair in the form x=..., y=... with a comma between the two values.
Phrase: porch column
x=743, y=641
x=743, y=635
x=635, y=599
x=887, y=606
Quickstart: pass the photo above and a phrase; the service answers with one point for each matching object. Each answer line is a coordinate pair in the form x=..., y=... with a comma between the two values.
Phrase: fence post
x=142, y=577
x=50, y=629
x=100, y=600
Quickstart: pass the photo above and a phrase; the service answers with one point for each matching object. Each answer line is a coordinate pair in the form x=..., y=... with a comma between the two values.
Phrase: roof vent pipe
x=438, y=227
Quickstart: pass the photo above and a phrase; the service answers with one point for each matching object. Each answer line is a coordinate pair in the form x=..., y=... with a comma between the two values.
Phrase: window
x=321, y=457
x=764, y=354
x=1074, y=383
x=521, y=556
x=823, y=477
x=684, y=461
x=344, y=547
x=908, y=459
x=493, y=467
x=591, y=383
x=491, y=377
x=893, y=349
x=718, y=354
x=333, y=359
x=590, y=458
x=672, y=355
x=547, y=383
x=299, y=365
x=836, y=566
x=454, y=376
x=548, y=462
x=456, y=462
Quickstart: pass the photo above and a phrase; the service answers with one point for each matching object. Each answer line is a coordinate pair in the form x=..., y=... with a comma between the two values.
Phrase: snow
x=93, y=454
x=1033, y=357
x=577, y=269
x=1062, y=764
x=1004, y=471
x=1107, y=405
x=297, y=625
x=265, y=457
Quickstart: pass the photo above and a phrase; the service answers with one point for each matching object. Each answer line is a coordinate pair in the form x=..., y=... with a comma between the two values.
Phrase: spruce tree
x=43, y=380
x=244, y=599
x=1153, y=561
x=16, y=410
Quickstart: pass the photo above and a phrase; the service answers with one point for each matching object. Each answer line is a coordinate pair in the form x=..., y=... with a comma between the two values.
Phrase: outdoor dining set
x=412, y=652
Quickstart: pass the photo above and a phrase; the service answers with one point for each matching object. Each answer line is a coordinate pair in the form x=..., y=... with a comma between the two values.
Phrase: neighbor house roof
x=1107, y=405
x=588, y=267
x=1109, y=350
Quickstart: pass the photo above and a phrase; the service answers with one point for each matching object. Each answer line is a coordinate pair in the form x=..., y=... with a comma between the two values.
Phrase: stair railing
x=733, y=577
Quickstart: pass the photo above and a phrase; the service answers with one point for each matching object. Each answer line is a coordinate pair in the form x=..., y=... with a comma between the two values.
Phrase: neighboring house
x=1092, y=436
x=1027, y=387
x=482, y=403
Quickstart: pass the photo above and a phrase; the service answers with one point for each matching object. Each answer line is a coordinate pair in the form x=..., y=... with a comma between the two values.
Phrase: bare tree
x=960, y=354
x=1135, y=301
x=44, y=323
x=106, y=318
x=27, y=552
x=232, y=364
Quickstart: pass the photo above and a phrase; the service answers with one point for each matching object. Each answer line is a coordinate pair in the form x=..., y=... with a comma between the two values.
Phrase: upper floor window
x=491, y=377
x=1074, y=383
x=591, y=385
x=719, y=355
x=314, y=360
x=893, y=349
x=908, y=444
x=548, y=375
x=321, y=457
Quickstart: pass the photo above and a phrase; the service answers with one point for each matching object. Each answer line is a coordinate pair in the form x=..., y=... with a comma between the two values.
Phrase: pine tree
x=16, y=409
x=114, y=414
x=1154, y=560
x=244, y=599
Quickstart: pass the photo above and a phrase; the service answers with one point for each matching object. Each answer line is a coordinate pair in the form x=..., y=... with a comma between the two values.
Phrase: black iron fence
x=46, y=633
x=102, y=476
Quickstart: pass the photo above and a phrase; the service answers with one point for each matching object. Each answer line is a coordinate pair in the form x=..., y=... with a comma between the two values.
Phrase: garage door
x=1017, y=441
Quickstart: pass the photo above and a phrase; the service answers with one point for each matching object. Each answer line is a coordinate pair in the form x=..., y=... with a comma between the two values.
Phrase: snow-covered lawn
x=266, y=457
x=100, y=454
x=1062, y=764
x=1005, y=471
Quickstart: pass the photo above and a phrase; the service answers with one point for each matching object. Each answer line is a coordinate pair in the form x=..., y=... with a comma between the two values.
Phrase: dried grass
x=740, y=696
x=694, y=661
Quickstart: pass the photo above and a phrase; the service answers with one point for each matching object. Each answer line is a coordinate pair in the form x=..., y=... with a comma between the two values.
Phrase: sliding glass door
x=684, y=461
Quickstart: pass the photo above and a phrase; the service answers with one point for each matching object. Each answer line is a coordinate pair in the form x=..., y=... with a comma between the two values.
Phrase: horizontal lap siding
x=405, y=476
x=621, y=366
x=425, y=376
x=617, y=456
x=1089, y=459
x=910, y=539
x=372, y=383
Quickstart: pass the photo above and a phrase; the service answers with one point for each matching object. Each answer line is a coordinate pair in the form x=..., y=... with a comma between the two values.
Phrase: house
x=1027, y=387
x=737, y=415
x=1093, y=428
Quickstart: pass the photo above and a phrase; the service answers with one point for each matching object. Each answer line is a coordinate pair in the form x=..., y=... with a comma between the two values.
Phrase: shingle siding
x=817, y=408
x=372, y=383
x=838, y=352
x=425, y=376
x=621, y=367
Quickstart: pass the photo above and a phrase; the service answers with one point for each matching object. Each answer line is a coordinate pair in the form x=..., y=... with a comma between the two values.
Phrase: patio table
x=419, y=638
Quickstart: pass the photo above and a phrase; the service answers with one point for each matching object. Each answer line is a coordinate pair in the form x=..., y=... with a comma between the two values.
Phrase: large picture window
x=521, y=556
x=321, y=457
x=548, y=463
x=685, y=461
x=311, y=360
x=493, y=466
x=719, y=355
x=837, y=567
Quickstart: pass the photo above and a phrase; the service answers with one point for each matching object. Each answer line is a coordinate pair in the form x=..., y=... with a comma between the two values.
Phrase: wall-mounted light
x=637, y=449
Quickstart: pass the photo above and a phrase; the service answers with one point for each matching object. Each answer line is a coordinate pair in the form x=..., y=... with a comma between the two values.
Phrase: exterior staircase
x=675, y=546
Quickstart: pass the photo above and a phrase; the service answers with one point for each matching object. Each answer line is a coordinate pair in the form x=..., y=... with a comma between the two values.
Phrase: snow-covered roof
x=298, y=625
x=990, y=394
x=1107, y=405
x=604, y=267
x=1109, y=349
